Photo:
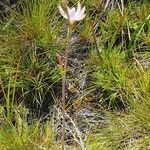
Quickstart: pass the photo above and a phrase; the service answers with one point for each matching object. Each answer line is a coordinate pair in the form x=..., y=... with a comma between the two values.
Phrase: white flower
x=73, y=14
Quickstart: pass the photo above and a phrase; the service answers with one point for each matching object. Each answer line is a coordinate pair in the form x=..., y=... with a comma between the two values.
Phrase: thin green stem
x=64, y=84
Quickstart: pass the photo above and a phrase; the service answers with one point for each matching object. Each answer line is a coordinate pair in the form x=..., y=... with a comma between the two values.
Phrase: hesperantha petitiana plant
x=104, y=52
x=71, y=15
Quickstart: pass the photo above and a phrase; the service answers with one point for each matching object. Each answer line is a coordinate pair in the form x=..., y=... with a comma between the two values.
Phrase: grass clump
x=28, y=53
x=122, y=80
x=122, y=77
x=21, y=135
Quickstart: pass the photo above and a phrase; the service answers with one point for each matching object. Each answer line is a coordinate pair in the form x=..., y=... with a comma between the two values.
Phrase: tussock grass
x=22, y=135
x=28, y=56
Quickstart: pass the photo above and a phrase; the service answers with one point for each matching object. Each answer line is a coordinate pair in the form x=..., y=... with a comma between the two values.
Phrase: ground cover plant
x=107, y=85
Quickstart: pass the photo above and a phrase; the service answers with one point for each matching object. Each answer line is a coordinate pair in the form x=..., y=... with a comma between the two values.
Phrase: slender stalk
x=64, y=84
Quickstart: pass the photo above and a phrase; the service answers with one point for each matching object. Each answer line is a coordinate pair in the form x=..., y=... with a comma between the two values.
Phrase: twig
x=80, y=142
x=77, y=136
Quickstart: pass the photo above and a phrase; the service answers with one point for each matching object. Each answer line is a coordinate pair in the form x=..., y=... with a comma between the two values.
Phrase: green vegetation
x=23, y=136
x=112, y=45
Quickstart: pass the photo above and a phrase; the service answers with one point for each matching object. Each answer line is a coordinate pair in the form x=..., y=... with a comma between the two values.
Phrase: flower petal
x=80, y=17
x=78, y=8
x=72, y=13
x=68, y=9
x=62, y=12
x=82, y=11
